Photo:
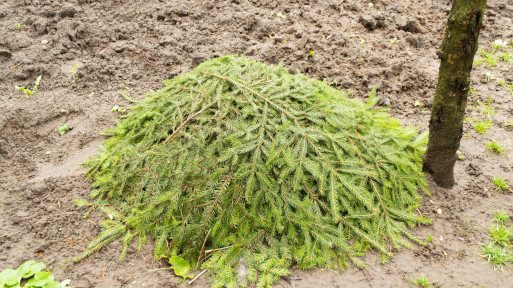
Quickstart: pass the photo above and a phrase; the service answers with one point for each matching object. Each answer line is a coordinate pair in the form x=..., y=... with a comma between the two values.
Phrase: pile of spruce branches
x=244, y=169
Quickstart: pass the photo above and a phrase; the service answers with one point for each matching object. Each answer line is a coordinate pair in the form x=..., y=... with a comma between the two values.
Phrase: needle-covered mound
x=245, y=169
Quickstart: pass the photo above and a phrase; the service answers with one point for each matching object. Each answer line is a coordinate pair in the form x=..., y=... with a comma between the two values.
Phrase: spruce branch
x=269, y=169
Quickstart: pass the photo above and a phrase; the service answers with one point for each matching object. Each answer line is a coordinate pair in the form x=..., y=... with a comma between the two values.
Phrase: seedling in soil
x=73, y=72
x=362, y=41
x=482, y=126
x=472, y=91
x=489, y=76
x=506, y=57
x=429, y=238
x=279, y=14
x=312, y=53
x=18, y=26
x=501, y=235
x=499, y=257
x=63, y=129
x=125, y=92
x=495, y=147
x=371, y=5
x=499, y=44
x=27, y=91
x=493, y=57
x=478, y=62
x=421, y=281
x=469, y=119
x=119, y=109
x=508, y=86
x=418, y=103
x=501, y=217
x=500, y=184
x=487, y=57
x=486, y=109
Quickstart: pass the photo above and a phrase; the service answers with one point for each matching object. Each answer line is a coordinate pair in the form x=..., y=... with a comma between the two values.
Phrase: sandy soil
x=143, y=42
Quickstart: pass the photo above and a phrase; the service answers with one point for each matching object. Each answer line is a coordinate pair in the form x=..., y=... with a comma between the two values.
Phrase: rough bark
x=456, y=54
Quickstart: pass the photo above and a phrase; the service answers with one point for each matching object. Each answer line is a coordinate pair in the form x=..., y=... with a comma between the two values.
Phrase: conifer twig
x=203, y=248
x=186, y=121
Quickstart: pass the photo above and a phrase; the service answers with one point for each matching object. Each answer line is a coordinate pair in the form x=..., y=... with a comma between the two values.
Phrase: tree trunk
x=457, y=55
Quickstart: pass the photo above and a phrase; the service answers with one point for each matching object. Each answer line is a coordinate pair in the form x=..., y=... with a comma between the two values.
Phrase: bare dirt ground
x=144, y=42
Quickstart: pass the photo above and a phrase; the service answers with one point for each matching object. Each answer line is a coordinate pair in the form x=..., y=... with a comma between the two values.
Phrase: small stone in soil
x=119, y=48
x=384, y=101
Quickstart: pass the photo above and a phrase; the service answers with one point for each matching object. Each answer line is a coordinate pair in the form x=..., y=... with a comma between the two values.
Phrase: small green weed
x=500, y=184
x=18, y=26
x=506, y=57
x=501, y=217
x=421, y=281
x=495, y=147
x=32, y=275
x=486, y=108
x=489, y=76
x=181, y=267
x=497, y=256
x=125, y=93
x=73, y=72
x=27, y=91
x=362, y=41
x=418, y=103
x=508, y=86
x=279, y=14
x=497, y=44
x=469, y=119
x=472, y=91
x=478, y=61
x=429, y=238
x=501, y=235
x=312, y=53
x=63, y=129
x=487, y=57
x=496, y=55
x=483, y=126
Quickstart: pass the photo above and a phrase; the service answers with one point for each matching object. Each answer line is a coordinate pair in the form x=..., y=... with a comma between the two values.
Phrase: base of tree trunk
x=441, y=166
x=456, y=58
